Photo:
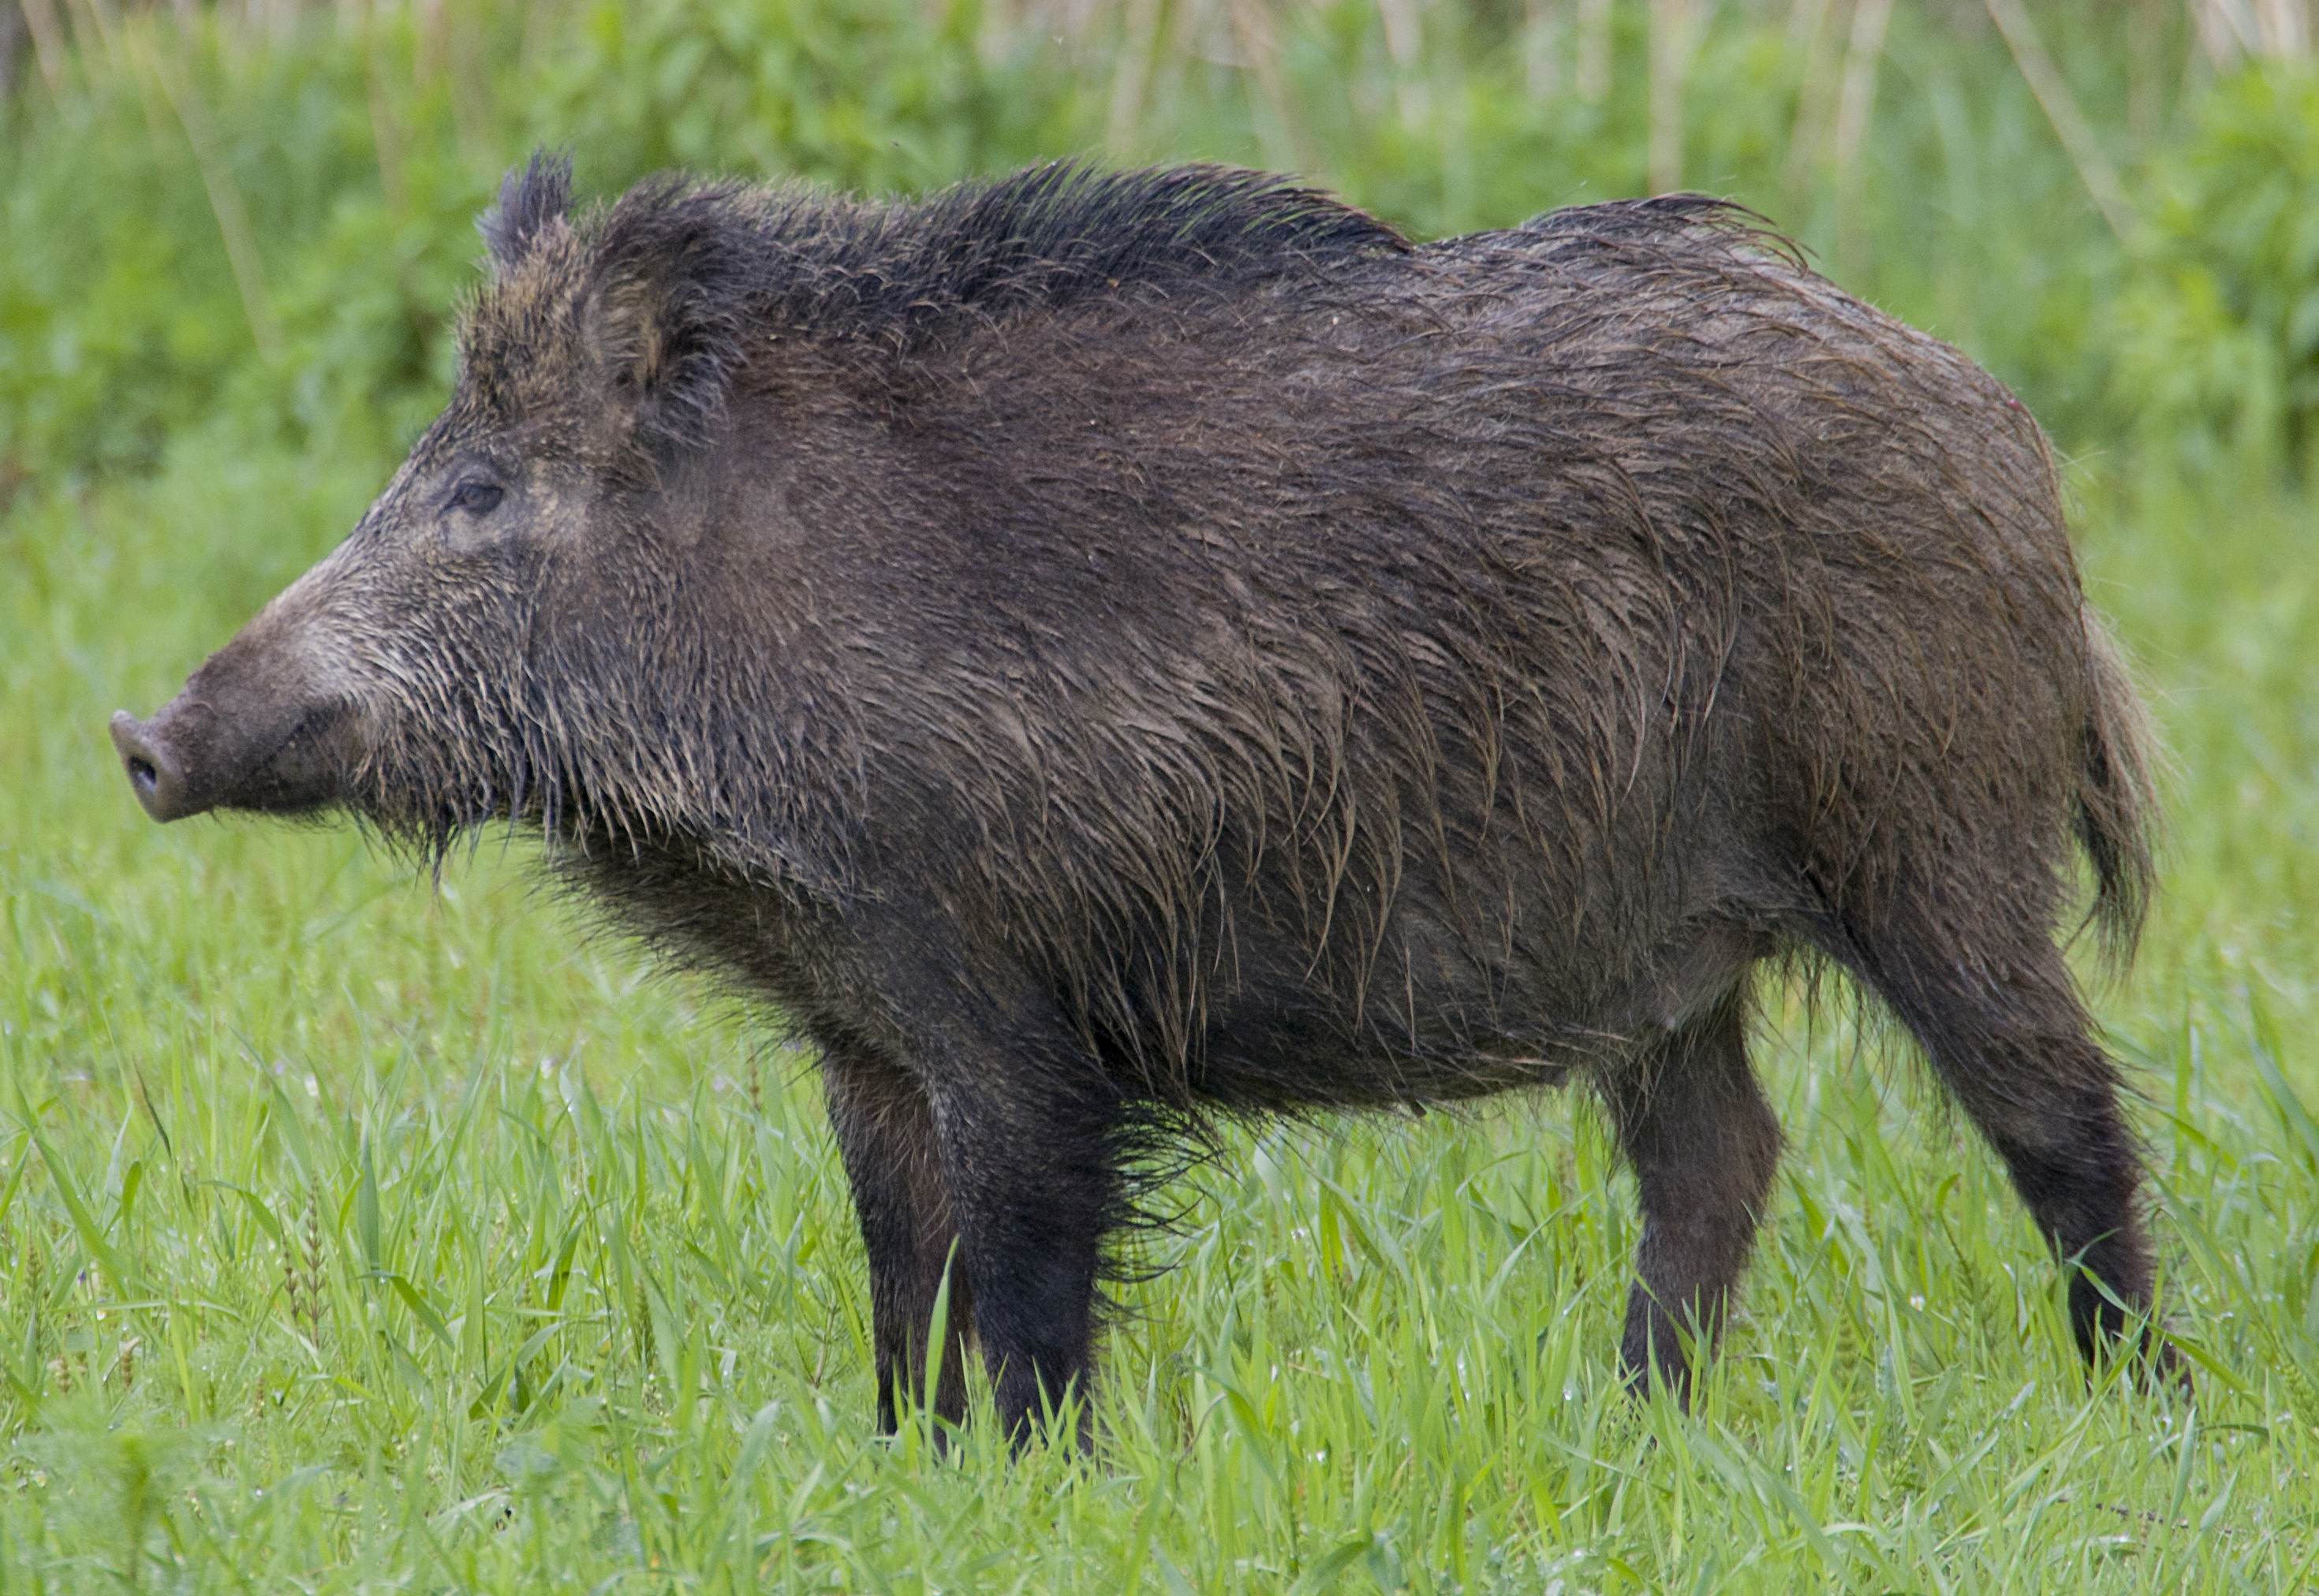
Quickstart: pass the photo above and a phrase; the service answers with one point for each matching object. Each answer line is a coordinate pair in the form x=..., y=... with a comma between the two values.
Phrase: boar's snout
x=154, y=769
x=266, y=724
x=213, y=747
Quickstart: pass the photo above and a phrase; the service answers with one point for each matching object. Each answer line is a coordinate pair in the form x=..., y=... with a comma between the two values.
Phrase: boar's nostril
x=153, y=771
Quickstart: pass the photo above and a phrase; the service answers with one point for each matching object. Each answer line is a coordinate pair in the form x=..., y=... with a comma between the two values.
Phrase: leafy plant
x=2218, y=319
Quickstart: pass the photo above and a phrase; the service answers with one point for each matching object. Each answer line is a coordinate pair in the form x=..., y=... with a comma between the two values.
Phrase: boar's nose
x=155, y=770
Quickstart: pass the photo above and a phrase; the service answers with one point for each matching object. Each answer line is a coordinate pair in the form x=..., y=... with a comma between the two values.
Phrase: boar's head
x=501, y=635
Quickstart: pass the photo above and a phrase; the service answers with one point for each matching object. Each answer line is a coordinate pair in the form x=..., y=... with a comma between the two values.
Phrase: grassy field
x=364, y=1233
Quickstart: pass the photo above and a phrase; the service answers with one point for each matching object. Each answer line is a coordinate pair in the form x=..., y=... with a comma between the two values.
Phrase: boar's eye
x=477, y=498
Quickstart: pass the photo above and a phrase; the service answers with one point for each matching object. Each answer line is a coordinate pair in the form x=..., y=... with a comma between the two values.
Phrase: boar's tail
x=2116, y=798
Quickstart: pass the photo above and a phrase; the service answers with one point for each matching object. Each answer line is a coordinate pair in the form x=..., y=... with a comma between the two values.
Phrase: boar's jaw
x=197, y=755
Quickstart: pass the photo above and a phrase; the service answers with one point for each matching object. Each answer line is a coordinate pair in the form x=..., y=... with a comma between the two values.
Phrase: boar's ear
x=533, y=197
x=664, y=312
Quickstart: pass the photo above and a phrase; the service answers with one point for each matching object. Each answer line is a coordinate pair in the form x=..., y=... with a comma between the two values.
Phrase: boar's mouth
x=193, y=757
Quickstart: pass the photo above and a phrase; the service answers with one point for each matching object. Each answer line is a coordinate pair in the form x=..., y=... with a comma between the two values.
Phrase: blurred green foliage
x=220, y=238
x=351, y=158
x=2218, y=324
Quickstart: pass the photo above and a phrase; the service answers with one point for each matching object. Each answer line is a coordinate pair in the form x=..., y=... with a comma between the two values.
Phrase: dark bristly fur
x=1102, y=650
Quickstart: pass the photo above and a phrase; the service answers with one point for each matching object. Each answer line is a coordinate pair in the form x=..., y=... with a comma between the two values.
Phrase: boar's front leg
x=886, y=1135
x=1025, y=1132
x=1025, y=1124
x=1704, y=1145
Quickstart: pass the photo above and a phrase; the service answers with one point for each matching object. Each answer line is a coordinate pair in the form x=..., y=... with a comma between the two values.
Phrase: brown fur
x=1100, y=651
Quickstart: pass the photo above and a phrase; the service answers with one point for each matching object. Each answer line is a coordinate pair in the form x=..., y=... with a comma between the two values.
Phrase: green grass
x=366, y=1234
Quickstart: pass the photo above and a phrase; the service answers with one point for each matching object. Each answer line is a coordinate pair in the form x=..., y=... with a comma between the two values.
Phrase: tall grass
x=368, y=1235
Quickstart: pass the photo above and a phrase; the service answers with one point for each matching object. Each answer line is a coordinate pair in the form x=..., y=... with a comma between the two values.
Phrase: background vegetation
x=363, y=1234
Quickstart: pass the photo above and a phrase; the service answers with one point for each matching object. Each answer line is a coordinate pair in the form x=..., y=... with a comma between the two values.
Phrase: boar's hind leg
x=886, y=1135
x=1704, y=1145
x=2008, y=1033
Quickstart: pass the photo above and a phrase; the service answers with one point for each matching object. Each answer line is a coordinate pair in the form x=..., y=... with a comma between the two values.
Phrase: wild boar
x=1103, y=653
